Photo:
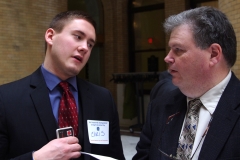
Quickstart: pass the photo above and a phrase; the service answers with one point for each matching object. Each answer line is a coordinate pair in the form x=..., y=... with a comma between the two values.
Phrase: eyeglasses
x=168, y=156
x=173, y=156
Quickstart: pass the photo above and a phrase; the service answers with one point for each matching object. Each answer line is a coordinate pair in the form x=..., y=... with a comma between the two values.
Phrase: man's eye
x=77, y=36
x=90, y=45
x=177, y=50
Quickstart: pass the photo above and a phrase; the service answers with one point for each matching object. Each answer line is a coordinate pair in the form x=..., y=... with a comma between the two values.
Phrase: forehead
x=80, y=25
x=181, y=34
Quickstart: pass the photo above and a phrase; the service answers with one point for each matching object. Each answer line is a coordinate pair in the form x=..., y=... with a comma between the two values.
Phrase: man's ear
x=216, y=53
x=49, y=36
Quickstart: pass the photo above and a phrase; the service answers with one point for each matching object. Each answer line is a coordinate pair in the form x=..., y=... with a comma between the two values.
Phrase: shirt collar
x=210, y=98
x=52, y=80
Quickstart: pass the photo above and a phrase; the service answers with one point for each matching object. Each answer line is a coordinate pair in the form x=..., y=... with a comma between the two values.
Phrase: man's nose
x=83, y=47
x=169, y=59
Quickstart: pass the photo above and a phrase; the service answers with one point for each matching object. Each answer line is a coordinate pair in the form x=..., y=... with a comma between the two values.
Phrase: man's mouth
x=78, y=58
x=171, y=71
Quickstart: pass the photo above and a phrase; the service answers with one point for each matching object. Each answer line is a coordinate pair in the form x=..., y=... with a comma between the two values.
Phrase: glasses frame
x=171, y=156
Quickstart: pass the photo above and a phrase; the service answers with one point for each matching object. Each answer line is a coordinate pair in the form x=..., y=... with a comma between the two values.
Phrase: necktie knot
x=64, y=85
x=194, y=106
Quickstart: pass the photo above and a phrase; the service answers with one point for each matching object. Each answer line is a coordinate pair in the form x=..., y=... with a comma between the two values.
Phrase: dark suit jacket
x=27, y=122
x=221, y=142
x=163, y=86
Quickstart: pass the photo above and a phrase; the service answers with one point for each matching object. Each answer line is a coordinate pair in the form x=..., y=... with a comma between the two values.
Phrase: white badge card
x=98, y=131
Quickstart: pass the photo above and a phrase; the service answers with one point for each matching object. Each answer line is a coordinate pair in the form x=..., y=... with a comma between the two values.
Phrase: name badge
x=98, y=131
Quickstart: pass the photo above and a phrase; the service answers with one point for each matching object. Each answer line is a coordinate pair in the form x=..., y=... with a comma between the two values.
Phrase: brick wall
x=23, y=25
x=232, y=9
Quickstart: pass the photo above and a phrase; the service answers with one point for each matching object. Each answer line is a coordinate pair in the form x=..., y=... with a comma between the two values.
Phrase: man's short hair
x=61, y=19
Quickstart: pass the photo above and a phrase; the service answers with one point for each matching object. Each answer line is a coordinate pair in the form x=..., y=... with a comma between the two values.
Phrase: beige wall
x=23, y=24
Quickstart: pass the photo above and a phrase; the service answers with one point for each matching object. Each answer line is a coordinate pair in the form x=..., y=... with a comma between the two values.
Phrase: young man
x=30, y=107
x=200, y=119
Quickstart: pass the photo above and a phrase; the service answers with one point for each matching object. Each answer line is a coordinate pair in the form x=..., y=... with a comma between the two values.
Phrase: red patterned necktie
x=67, y=113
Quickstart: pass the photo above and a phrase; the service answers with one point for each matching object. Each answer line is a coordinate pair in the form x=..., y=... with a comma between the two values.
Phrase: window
x=147, y=46
x=147, y=37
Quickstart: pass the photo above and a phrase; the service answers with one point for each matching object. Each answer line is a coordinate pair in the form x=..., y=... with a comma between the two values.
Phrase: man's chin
x=74, y=72
x=175, y=82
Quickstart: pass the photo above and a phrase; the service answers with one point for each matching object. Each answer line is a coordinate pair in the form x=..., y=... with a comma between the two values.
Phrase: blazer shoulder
x=174, y=98
x=90, y=87
x=15, y=84
x=24, y=83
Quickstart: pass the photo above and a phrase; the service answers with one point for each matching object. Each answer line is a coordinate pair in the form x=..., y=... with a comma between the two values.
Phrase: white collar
x=211, y=97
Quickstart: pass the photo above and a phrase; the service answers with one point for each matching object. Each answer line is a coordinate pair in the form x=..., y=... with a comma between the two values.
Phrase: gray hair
x=209, y=25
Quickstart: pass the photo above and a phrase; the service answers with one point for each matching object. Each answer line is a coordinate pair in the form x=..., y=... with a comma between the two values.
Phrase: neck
x=202, y=87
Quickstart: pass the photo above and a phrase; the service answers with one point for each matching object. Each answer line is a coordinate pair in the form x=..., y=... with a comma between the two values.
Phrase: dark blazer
x=27, y=122
x=221, y=142
x=163, y=86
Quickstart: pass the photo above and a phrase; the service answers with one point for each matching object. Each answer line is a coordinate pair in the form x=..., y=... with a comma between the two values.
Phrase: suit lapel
x=87, y=109
x=224, y=119
x=42, y=104
x=175, y=114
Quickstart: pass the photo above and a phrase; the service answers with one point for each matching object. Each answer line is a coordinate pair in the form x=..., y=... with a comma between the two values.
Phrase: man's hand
x=59, y=149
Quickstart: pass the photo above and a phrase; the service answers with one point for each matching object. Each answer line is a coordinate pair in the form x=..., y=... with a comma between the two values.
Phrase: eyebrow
x=175, y=44
x=82, y=33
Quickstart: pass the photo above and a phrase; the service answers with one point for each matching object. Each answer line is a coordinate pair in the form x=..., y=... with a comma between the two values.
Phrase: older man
x=200, y=119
